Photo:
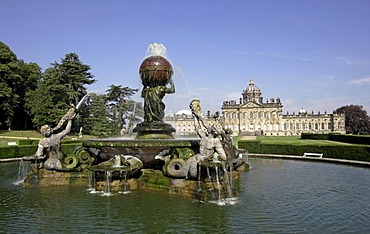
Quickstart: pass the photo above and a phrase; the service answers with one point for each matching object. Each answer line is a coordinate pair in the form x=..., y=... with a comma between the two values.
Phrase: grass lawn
x=25, y=134
x=295, y=140
x=14, y=136
x=292, y=140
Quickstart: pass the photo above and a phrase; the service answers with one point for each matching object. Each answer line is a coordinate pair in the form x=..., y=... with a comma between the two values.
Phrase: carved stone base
x=155, y=130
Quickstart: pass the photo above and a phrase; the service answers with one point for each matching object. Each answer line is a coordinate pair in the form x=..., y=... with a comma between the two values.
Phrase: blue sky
x=313, y=54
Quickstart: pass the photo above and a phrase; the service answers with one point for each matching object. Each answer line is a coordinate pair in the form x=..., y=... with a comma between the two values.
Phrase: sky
x=312, y=54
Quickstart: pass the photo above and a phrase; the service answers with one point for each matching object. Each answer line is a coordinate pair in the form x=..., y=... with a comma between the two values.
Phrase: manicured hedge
x=28, y=142
x=354, y=139
x=313, y=136
x=17, y=151
x=28, y=150
x=35, y=142
x=349, y=152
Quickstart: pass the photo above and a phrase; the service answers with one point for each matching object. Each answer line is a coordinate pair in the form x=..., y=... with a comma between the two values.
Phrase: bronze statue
x=153, y=104
x=155, y=74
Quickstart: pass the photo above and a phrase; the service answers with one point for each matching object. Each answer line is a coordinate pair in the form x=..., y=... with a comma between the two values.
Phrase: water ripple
x=277, y=196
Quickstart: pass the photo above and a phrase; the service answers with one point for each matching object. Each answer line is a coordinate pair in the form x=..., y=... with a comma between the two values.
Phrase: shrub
x=28, y=150
x=354, y=139
x=349, y=152
x=313, y=136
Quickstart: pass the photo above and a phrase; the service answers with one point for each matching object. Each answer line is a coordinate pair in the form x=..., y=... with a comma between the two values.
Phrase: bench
x=313, y=154
x=12, y=143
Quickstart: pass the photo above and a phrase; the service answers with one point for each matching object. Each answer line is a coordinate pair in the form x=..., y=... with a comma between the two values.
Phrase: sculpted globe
x=155, y=71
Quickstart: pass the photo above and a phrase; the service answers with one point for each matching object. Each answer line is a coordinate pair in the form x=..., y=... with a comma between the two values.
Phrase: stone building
x=252, y=116
x=183, y=121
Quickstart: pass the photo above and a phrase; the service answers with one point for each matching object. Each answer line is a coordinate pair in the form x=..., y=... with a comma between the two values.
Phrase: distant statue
x=153, y=104
x=49, y=147
x=80, y=132
x=210, y=143
x=197, y=112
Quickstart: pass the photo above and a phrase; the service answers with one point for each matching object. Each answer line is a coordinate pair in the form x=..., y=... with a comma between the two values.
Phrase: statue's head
x=195, y=105
x=46, y=131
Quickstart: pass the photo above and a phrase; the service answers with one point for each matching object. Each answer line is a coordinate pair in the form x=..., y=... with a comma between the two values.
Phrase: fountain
x=204, y=168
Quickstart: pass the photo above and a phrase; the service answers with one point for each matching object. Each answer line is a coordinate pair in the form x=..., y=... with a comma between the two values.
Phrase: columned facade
x=183, y=121
x=252, y=116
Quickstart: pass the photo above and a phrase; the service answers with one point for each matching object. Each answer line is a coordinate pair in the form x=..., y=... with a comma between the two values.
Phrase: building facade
x=252, y=116
x=183, y=121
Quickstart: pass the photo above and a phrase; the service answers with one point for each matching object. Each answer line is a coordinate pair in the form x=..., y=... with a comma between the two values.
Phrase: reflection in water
x=277, y=196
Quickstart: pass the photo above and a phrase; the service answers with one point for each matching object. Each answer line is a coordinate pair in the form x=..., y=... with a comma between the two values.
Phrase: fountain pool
x=277, y=196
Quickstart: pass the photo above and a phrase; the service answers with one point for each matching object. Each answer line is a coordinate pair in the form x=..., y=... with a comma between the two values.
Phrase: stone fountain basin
x=144, y=149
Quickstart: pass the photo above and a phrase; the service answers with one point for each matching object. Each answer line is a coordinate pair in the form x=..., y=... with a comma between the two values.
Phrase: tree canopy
x=357, y=120
x=29, y=97
x=62, y=86
x=118, y=101
x=17, y=79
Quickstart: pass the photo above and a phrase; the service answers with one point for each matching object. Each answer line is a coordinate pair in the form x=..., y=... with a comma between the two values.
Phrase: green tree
x=8, y=80
x=356, y=118
x=119, y=103
x=74, y=75
x=96, y=118
x=30, y=74
x=62, y=85
x=17, y=78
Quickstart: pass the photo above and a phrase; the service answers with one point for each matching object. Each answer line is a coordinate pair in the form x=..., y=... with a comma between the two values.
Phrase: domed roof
x=252, y=88
x=169, y=115
x=184, y=112
x=302, y=111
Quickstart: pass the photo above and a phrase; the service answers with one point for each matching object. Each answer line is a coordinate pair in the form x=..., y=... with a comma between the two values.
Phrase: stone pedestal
x=155, y=130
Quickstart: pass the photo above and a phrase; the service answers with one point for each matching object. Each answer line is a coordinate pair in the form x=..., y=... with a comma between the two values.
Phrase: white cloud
x=271, y=55
x=360, y=81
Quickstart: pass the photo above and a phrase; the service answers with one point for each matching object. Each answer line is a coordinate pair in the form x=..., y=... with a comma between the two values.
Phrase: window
x=251, y=115
x=322, y=126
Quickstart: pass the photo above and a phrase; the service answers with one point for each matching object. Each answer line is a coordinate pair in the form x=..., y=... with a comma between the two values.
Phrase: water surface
x=277, y=196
